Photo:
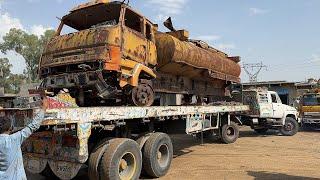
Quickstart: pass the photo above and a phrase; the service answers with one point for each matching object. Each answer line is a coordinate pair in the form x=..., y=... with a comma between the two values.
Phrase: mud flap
x=194, y=123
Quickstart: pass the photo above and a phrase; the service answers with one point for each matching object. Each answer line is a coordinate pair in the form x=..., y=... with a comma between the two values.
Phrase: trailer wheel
x=290, y=128
x=229, y=133
x=157, y=155
x=122, y=160
x=95, y=158
x=261, y=131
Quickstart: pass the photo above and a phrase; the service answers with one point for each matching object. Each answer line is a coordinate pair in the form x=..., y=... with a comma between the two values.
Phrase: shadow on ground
x=252, y=133
x=262, y=175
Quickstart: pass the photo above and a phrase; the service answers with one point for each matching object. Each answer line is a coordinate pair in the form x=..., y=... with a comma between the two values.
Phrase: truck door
x=265, y=105
x=134, y=41
x=151, y=46
x=276, y=105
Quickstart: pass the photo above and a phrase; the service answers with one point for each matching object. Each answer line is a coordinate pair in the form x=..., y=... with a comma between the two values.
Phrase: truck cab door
x=276, y=105
x=151, y=45
x=134, y=42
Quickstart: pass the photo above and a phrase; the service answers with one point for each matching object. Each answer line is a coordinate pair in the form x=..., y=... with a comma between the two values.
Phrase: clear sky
x=283, y=34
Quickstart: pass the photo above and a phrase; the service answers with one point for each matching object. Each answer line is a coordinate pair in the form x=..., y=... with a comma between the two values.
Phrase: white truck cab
x=268, y=112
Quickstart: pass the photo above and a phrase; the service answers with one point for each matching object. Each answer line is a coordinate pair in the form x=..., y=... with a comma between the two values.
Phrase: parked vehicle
x=137, y=138
x=268, y=112
x=310, y=110
x=117, y=56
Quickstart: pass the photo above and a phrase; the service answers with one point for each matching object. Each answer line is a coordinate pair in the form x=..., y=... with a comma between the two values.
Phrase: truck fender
x=132, y=71
x=289, y=115
x=137, y=70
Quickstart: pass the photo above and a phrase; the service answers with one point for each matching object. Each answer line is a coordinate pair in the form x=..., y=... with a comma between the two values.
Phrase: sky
x=282, y=34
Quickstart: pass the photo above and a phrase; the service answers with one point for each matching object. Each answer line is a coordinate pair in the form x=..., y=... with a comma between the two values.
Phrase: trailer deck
x=97, y=114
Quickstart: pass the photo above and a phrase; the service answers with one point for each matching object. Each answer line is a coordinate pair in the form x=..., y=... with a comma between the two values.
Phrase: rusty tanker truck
x=135, y=86
x=113, y=55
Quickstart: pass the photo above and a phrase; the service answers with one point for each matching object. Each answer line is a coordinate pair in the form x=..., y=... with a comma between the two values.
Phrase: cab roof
x=88, y=4
x=98, y=2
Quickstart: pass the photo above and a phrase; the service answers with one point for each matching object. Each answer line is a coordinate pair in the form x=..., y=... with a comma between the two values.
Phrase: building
x=289, y=92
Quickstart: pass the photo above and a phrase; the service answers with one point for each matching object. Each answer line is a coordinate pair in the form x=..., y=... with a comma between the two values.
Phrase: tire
x=261, y=131
x=95, y=158
x=157, y=155
x=229, y=133
x=290, y=128
x=121, y=155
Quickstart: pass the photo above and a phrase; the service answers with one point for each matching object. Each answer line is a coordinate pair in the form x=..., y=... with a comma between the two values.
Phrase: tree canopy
x=11, y=82
x=29, y=46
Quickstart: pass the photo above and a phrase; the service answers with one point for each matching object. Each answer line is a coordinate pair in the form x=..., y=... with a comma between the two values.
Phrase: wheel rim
x=230, y=132
x=163, y=155
x=127, y=166
x=289, y=127
x=142, y=95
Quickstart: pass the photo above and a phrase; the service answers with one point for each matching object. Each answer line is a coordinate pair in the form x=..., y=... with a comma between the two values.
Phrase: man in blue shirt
x=11, y=160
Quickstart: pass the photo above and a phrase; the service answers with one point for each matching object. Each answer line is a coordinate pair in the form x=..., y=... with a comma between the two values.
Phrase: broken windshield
x=94, y=16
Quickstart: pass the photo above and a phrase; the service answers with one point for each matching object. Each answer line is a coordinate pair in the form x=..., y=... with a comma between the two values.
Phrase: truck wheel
x=229, y=133
x=290, y=128
x=157, y=155
x=95, y=158
x=261, y=131
x=122, y=160
x=142, y=95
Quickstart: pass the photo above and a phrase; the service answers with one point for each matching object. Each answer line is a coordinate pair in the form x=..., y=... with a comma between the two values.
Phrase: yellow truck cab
x=310, y=109
x=107, y=54
x=111, y=47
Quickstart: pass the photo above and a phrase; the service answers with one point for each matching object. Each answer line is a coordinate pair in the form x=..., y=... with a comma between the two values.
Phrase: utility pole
x=253, y=70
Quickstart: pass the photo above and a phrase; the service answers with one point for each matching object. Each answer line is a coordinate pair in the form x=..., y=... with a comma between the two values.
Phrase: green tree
x=5, y=67
x=14, y=82
x=29, y=46
x=10, y=82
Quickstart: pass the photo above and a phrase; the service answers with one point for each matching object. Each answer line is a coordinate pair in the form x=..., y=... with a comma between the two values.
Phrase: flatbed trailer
x=118, y=142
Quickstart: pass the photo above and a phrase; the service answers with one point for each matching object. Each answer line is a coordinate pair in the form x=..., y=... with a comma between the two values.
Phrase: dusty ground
x=251, y=157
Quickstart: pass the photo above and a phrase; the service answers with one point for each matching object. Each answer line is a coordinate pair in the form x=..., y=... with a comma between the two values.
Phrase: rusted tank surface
x=174, y=55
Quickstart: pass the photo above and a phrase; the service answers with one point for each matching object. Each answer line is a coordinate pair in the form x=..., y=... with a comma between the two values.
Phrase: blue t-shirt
x=11, y=160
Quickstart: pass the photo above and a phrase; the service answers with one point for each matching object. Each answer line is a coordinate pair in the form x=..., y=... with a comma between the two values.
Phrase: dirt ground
x=253, y=156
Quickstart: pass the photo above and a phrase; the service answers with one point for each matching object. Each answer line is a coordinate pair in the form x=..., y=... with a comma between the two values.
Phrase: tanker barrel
x=174, y=54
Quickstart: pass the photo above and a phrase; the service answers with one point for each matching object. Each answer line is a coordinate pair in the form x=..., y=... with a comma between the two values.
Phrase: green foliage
x=11, y=82
x=4, y=68
x=29, y=46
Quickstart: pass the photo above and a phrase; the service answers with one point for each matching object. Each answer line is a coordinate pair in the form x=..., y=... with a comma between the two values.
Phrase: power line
x=253, y=70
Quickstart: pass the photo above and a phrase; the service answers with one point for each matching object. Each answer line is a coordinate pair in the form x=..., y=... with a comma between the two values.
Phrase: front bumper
x=310, y=121
x=71, y=80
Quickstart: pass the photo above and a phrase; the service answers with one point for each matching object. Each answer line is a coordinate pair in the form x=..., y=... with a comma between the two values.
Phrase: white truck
x=267, y=112
x=118, y=142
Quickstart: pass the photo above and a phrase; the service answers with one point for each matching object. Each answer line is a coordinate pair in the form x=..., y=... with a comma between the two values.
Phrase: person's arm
x=22, y=135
